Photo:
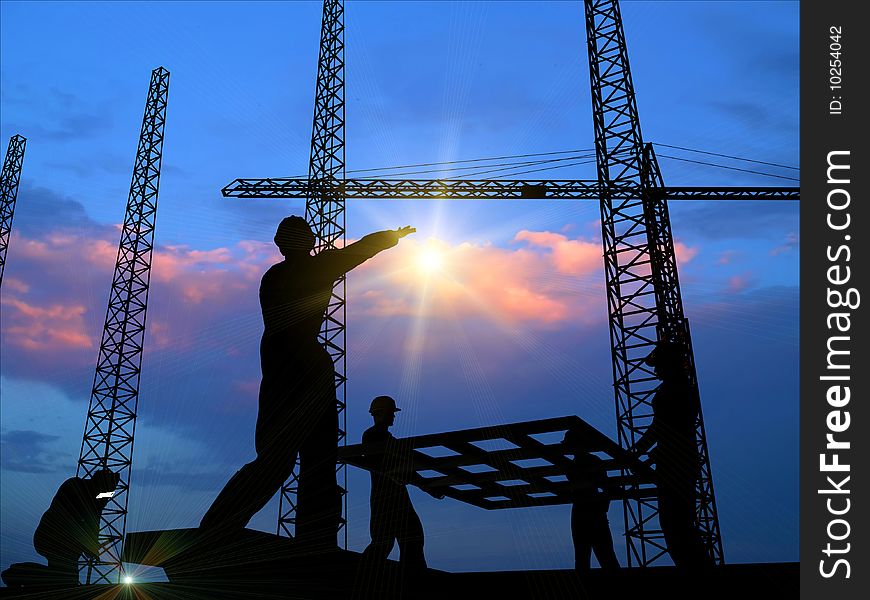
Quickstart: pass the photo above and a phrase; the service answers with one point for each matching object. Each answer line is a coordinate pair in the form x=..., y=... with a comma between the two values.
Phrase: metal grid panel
x=463, y=466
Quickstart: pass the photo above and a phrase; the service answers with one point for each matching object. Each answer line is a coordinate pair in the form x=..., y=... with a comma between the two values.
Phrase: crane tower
x=111, y=421
x=9, y=181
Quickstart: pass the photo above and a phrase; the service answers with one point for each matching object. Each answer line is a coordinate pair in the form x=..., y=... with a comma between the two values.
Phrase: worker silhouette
x=590, y=528
x=67, y=530
x=297, y=404
x=393, y=518
x=675, y=456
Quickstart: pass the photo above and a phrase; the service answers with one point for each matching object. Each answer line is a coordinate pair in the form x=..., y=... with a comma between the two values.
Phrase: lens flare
x=430, y=261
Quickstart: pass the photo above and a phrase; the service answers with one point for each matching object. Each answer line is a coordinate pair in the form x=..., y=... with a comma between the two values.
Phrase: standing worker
x=297, y=412
x=393, y=518
x=590, y=529
x=675, y=456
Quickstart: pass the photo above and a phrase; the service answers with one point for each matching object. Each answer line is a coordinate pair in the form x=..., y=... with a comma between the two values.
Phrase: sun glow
x=430, y=260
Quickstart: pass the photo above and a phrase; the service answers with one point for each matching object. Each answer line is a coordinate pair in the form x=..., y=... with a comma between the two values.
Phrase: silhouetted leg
x=677, y=519
x=318, y=509
x=411, y=540
x=277, y=443
x=602, y=543
x=581, y=538
x=250, y=489
x=383, y=534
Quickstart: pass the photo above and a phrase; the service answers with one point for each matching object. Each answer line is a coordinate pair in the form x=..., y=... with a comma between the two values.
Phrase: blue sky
x=426, y=81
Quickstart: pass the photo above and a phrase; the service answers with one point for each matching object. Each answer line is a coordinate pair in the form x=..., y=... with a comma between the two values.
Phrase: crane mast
x=9, y=181
x=111, y=421
x=643, y=291
x=324, y=211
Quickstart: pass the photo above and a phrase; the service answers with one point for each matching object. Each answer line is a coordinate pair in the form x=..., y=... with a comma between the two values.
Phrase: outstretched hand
x=407, y=230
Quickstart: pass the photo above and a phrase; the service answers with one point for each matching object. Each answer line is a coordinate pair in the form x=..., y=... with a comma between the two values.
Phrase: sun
x=430, y=261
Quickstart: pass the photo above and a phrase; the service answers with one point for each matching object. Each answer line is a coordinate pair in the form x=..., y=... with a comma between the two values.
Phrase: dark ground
x=263, y=566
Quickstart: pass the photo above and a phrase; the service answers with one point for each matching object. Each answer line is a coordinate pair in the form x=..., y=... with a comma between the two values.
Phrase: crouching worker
x=590, y=528
x=69, y=528
x=393, y=518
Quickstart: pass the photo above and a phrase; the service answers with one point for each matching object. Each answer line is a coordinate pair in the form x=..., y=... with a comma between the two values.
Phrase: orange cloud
x=47, y=307
x=531, y=284
x=52, y=327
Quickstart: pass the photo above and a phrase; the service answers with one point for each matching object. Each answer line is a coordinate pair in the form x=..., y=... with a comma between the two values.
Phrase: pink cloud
x=49, y=327
x=531, y=284
x=684, y=253
x=16, y=285
x=727, y=257
x=55, y=305
x=792, y=241
x=575, y=257
x=738, y=283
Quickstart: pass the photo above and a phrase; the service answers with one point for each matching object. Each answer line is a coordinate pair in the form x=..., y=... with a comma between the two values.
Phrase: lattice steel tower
x=643, y=291
x=324, y=211
x=111, y=420
x=9, y=181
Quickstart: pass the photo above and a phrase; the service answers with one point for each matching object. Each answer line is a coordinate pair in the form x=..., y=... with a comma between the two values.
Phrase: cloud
x=48, y=210
x=726, y=257
x=792, y=241
x=536, y=284
x=16, y=285
x=739, y=283
x=39, y=328
x=684, y=253
x=28, y=451
x=63, y=116
x=713, y=221
x=55, y=307
x=574, y=257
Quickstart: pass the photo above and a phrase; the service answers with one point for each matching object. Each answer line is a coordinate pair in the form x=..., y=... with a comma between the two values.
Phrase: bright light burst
x=430, y=260
x=128, y=579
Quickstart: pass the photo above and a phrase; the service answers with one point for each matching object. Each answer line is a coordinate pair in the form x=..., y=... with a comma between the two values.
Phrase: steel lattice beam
x=643, y=293
x=9, y=181
x=324, y=211
x=111, y=420
x=486, y=189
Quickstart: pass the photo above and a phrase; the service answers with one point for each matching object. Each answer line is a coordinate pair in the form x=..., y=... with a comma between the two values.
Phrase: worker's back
x=387, y=493
x=676, y=408
x=589, y=470
x=71, y=523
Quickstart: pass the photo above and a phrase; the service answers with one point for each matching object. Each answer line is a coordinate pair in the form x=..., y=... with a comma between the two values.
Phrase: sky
x=510, y=327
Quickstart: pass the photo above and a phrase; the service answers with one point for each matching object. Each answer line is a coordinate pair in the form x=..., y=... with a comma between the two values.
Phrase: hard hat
x=665, y=351
x=105, y=478
x=293, y=233
x=383, y=404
